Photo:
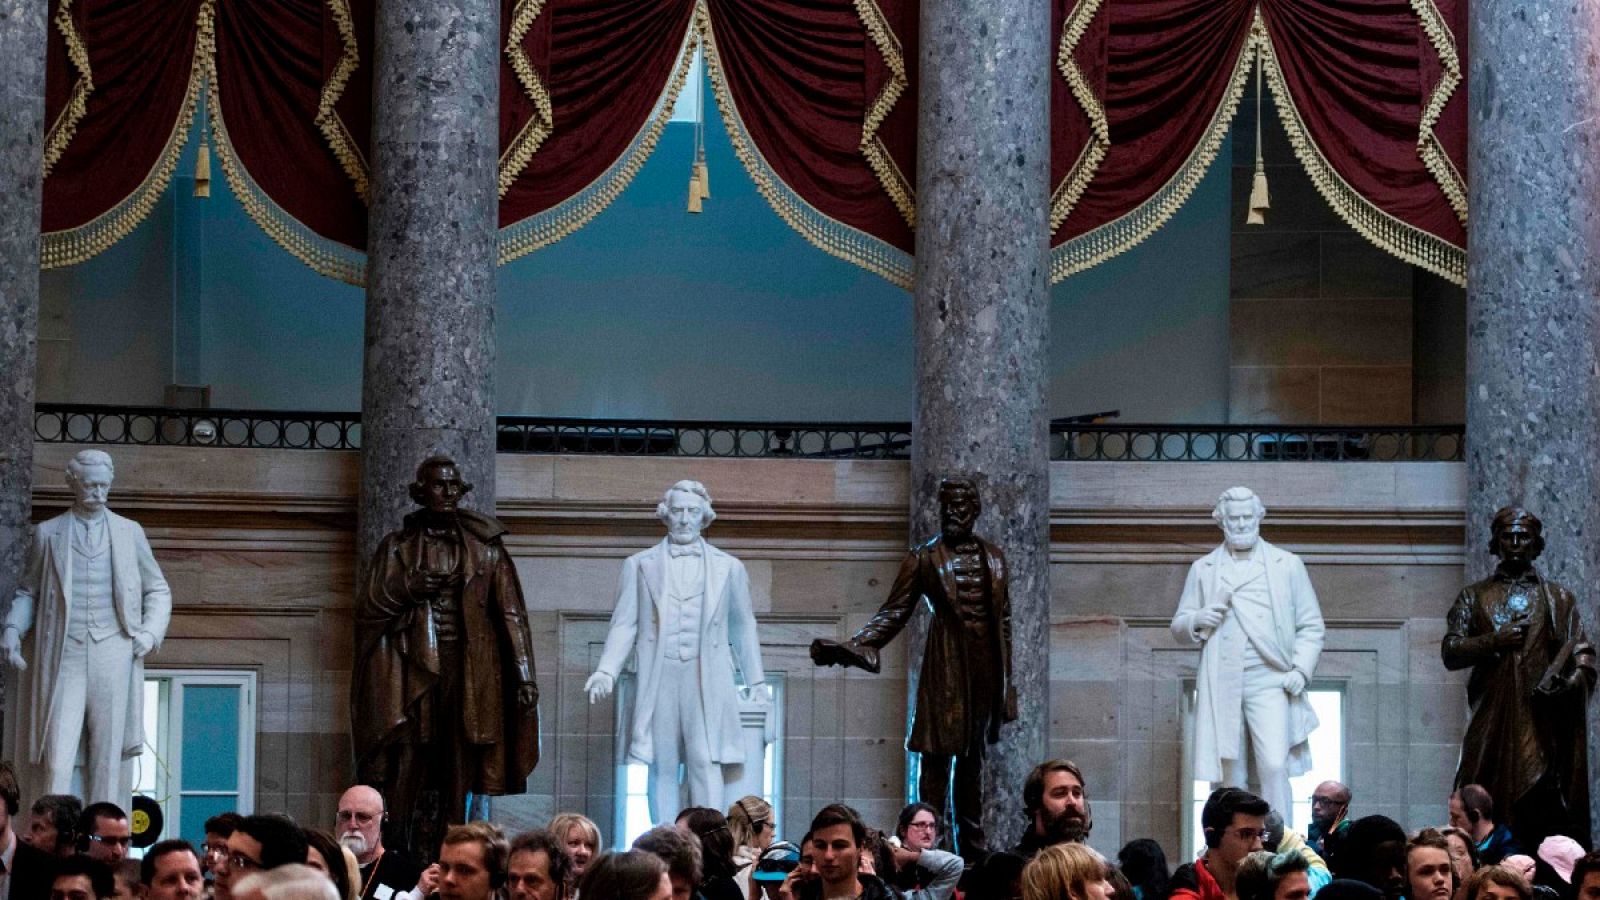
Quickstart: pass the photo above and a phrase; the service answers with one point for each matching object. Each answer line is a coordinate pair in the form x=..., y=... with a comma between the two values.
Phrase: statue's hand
x=1294, y=683
x=142, y=645
x=832, y=653
x=425, y=584
x=1210, y=618
x=11, y=647
x=528, y=697
x=598, y=686
x=760, y=692
x=1511, y=635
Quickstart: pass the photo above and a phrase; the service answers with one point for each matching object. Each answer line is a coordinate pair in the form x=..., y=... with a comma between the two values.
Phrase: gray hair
x=1237, y=494
x=83, y=459
x=707, y=514
x=295, y=881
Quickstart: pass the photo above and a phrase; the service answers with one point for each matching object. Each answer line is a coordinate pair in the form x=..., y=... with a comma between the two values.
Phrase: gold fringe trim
x=65, y=127
x=322, y=255
x=1403, y=240
x=561, y=220
x=1133, y=227
x=333, y=128
x=883, y=165
x=1071, y=188
x=825, y=233
x=1428, y=147
x=75, y=245
x=528, y=140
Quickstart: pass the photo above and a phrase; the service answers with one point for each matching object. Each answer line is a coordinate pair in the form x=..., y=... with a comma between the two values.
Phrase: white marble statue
x=1251, y=607
x=94, y=603
x=684, y=608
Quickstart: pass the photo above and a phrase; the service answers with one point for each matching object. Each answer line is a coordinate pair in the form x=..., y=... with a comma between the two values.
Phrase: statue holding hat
x=1532, y=670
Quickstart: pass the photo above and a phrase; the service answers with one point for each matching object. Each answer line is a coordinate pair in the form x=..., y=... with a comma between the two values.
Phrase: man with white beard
x=384, y=873
x=1252, y=608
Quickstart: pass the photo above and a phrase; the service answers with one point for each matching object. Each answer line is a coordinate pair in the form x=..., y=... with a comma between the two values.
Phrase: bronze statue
x=1532, y=670
x=443, y=700
x=965, y=692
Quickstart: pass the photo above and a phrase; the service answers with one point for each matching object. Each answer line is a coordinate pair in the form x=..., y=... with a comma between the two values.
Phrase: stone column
x=982, y=324
x=428, y=373
x=1533, y=295
x=22, y=43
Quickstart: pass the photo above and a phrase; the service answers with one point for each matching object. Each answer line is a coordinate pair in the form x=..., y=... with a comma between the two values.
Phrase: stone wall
x=258, y=546
x=1326, y=328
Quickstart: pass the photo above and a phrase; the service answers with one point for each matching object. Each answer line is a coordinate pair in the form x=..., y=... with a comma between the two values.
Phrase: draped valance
x=819, y=98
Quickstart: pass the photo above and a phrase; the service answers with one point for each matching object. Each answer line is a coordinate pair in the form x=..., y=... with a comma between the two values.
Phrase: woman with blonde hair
x=580, y=837
x=1066, y=872
x=750, y=823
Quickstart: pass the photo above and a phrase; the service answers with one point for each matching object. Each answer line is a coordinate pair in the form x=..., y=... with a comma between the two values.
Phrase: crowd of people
x=69, y=851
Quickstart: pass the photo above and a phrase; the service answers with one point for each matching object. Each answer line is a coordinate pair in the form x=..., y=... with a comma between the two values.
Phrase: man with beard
x=1057, y=808
x=1251, y=608
x=965, y=692
x=384, y=872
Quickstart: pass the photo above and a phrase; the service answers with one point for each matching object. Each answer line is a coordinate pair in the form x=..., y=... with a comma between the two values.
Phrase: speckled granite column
x=982, y=325
x=22, y=42
x=428, y=378
x=1533, y=296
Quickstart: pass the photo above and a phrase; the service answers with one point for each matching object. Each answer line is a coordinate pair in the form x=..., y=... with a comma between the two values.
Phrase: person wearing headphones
x=104, y=834
x=1234, y=822
x=385, y=873
x=53, y=824
x=472, y=862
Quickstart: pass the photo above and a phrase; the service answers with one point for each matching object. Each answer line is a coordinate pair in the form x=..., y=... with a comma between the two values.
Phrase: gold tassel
x=202, y=171
x=694, y=192
x=1259, y=204
x=704, y=175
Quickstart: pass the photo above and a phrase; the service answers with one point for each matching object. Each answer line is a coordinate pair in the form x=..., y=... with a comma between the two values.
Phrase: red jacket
x=1193, y=881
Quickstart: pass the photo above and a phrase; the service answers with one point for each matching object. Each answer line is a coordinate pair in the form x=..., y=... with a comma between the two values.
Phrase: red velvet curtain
x=274, y=62
x=1173, y=70
x=820, y=106
x=819, y=97
x=1359, y=77
x=609, y=70
x=120, y=85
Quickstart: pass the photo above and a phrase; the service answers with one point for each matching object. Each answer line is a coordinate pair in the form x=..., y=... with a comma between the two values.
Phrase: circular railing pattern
x=1074, y=441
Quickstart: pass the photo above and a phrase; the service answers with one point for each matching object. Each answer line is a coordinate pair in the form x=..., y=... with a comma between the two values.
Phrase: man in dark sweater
x=384, y=872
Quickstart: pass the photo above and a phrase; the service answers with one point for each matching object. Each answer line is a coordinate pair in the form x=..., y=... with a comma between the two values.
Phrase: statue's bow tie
x=677, y=550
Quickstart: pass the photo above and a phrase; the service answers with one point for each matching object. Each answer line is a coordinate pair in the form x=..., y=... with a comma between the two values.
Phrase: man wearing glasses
x=1330, y=807
x=103, y=833
x=384, y=872
x=257, y=844
x=1234, y=822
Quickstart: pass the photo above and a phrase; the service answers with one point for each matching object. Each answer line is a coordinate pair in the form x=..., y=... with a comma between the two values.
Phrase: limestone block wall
x=259, y=548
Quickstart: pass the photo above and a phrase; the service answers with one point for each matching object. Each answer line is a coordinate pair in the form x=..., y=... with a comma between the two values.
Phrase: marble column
x=982, y=324
x=22, y=43
x=1533, y=293
x=428, y=373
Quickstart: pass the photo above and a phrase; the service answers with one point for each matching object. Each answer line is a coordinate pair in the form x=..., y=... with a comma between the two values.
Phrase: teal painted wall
x=647, y=312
